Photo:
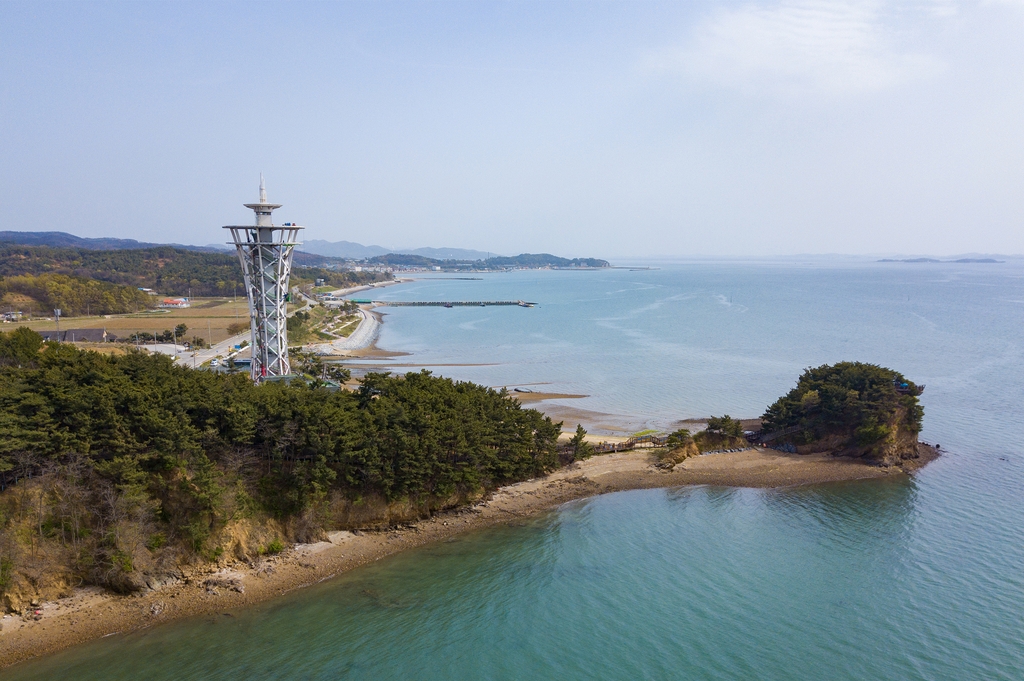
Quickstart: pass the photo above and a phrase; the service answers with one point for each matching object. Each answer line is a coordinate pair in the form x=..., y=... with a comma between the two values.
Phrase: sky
x=598, y=129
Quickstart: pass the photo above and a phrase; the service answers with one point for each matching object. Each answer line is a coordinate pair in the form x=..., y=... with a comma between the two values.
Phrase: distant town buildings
x=176, y=303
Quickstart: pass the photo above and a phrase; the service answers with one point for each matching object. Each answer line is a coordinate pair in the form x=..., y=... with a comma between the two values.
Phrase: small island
x=849, y=409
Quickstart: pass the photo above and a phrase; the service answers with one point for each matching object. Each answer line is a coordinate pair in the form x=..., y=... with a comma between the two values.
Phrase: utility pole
x=56, y=316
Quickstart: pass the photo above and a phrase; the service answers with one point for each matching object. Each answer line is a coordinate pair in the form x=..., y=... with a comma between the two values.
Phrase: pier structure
x=265, y=252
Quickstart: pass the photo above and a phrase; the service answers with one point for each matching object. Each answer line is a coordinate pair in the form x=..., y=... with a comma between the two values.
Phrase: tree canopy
x=74, y=295
x=863, y=402
x=169, y=270
x=187, y=451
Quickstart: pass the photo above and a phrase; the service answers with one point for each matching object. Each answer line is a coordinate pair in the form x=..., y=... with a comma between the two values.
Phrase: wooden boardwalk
x=632, y=443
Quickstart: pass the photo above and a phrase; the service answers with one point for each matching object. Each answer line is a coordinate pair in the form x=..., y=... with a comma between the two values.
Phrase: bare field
x=208, y=318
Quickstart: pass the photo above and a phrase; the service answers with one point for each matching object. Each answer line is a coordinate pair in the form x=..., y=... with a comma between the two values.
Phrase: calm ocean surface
x=917, y=578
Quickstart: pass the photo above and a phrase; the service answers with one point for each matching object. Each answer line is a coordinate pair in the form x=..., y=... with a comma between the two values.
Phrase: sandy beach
x=91, y=613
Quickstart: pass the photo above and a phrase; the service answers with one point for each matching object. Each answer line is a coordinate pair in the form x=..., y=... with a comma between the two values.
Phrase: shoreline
x=365, y=334
x=91, y=613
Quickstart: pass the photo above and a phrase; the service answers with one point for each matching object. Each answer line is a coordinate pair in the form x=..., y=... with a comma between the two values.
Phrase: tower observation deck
x=265, y=251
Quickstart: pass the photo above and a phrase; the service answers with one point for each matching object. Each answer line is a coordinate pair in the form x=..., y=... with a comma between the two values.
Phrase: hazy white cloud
x=831, y=46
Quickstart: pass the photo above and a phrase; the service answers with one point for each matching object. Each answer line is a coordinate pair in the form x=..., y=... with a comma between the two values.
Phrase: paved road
x=187, y=360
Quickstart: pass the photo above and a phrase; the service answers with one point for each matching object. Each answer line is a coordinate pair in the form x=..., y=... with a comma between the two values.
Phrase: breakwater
x=444, y=303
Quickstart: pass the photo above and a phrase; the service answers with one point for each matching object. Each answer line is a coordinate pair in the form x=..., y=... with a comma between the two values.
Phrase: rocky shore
x=91, y=613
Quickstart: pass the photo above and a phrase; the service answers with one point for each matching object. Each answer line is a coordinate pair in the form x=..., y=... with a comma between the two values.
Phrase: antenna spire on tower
x=263, y=190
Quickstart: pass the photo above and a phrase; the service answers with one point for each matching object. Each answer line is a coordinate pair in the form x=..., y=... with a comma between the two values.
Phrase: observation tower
x=265, y=251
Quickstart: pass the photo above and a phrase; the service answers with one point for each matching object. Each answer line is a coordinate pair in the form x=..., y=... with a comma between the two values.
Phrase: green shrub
x=725, y=425
x=123, y=560
x=579, y=447
x=678, y=438
x=196, y=533
x=871, y=433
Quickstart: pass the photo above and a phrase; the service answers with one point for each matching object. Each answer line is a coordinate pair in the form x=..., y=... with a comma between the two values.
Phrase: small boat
x=447, y=304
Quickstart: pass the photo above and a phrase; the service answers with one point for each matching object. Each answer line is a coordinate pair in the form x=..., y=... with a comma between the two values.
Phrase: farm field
x=208, y=318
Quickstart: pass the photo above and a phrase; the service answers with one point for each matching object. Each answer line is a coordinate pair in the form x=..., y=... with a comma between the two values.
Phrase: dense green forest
x=117, y=468
x=73, y=295
x=852, y=406
x=497, y=263
x=167, y=270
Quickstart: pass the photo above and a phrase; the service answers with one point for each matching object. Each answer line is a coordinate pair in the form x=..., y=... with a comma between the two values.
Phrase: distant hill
x=544, y=260
x=958, y=260
x=448, y=253
x=165, y=269
x=342, y=249
x=528, y=260
x=350, y=249
x=65, y=240
x=314, y=253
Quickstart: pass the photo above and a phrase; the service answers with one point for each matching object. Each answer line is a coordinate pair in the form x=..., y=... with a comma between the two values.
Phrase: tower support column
x=265, y=252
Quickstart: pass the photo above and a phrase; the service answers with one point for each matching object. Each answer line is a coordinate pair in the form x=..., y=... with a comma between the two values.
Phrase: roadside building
x=79, y=336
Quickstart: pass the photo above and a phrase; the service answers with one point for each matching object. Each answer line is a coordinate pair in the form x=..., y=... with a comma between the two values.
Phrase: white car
x=215, y=362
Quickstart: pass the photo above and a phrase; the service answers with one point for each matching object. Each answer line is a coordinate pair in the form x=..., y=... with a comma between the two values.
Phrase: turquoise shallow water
x=896, y=579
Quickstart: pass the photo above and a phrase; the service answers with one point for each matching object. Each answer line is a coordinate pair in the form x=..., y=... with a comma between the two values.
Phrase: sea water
x=901, y=578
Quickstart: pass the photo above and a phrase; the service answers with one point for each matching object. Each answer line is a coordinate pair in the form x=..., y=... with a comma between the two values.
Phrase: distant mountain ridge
x=350, y=249
x=448, y=253
x=317, y=252
x=342, y=249
x=65, y=240
x=330, y=249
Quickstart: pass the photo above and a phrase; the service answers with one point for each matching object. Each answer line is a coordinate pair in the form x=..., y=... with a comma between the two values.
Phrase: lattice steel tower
x=265, y=251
